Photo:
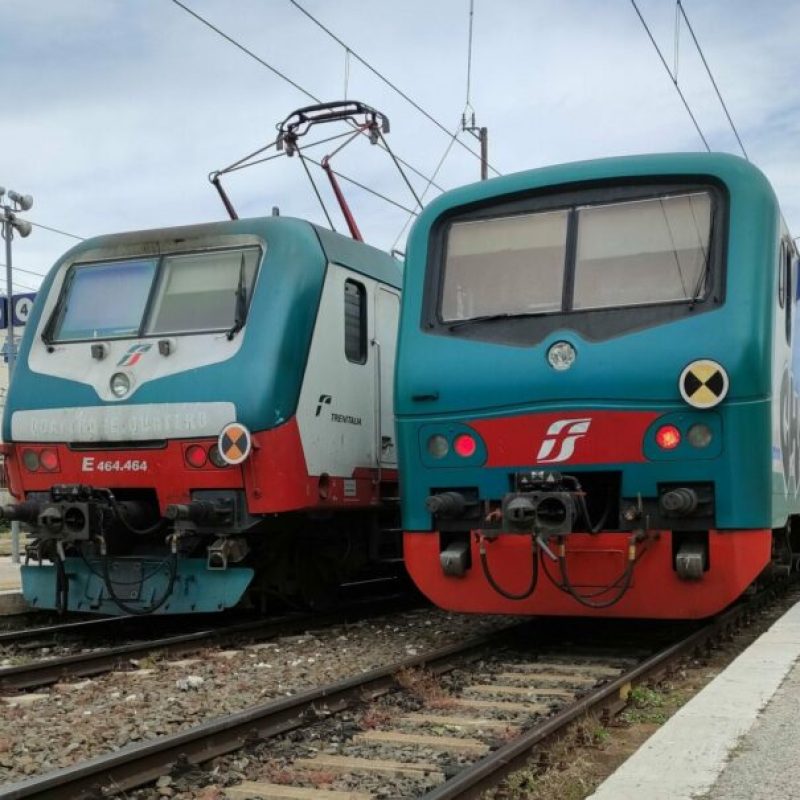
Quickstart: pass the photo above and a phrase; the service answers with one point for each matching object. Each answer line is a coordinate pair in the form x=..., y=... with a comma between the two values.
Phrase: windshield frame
x=596, y=323
x=55, y=318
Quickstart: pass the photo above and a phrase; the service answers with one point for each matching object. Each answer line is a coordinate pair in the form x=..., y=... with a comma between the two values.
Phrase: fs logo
x=324, y=400
x=133, y=355
x=563, y=432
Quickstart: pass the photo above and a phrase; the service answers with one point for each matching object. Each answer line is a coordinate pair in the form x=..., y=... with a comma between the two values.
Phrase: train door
x=387, y=315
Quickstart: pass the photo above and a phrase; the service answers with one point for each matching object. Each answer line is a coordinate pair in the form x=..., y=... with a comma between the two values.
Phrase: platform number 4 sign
x=21, y=306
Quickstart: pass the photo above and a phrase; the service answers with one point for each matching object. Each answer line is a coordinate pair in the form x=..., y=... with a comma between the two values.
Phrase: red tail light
x=465, y=445
x=49, y=460
x=668, y=437
x=196, y=456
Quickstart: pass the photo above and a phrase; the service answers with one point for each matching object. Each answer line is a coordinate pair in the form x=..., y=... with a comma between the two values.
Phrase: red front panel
x=579, y=437
x=277, y=479
x=164, y=470
x=274, y=475
x=736, y=559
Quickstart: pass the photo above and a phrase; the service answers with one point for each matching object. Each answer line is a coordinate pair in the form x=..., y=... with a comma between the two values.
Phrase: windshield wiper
x=703, y=279
x=701, y=282
x=241, y=303
x=490, y=318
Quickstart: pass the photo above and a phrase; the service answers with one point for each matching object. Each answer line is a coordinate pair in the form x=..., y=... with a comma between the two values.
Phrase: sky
x=115, y=111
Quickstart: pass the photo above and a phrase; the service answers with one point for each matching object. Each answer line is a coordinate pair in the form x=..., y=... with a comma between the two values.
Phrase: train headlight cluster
x=453, y=447
x=198, y=456
x=681, y=435
x=120, y=384
x=45, y=460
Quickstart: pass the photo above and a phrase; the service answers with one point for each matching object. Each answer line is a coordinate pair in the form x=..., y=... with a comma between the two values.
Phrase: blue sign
x=3, y=314
x=21, y=305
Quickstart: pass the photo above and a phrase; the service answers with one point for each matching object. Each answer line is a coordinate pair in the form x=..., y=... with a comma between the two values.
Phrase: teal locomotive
x=597, y=390
x=203, y=413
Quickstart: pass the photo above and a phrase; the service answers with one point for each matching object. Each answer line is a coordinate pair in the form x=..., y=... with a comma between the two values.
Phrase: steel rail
x=80, y=665
x=488, y=771
x=142, y=762
x=69, y=628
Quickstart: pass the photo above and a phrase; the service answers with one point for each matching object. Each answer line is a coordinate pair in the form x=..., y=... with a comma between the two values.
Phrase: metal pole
x=484, y=139
x=8, y=233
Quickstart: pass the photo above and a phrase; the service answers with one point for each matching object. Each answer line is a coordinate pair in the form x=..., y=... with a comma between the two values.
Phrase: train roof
x=731, y=170
x=338, y=249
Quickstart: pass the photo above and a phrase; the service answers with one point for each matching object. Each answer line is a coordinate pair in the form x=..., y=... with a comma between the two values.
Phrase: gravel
x=71, y=722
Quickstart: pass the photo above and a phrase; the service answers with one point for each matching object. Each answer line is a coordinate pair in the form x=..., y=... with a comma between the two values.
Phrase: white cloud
x=116, y=111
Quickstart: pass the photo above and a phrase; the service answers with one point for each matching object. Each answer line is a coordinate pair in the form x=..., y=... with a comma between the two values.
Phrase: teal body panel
x=455, y=379
x=263, y=378
x=197, y=590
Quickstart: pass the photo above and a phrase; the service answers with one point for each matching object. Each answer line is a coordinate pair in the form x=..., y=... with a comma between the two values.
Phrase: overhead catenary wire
x=26, y=286
x=386, y=80
x=427, y=188
x=245, y=50
x=55, y=230
x=26, y=271
x=711, y=77
x=468, y=101
x=274, y=70
x=672, y=77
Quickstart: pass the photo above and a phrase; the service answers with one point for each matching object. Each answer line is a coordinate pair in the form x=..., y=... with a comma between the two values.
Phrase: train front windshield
x=639, y=252
x=173, y=294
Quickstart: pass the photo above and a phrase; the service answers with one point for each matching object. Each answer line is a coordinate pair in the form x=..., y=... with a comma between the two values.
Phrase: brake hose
x=496, y=586
x=624, y=580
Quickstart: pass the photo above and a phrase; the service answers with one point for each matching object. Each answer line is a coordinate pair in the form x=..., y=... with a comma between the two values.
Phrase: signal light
x=30, y=458
x=668, y=437
x=196, y=456
x=699, y=435
x=465, y=445
x=48, y=459
x=438, y=446
x=215, y=457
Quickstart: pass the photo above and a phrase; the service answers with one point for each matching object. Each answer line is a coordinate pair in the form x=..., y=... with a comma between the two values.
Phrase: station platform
x=11, y=601
x=735, y=740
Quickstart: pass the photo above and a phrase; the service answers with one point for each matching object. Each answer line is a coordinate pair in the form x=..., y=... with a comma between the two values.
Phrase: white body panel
x=345, y=408
x=122, y=423
x=387, y=317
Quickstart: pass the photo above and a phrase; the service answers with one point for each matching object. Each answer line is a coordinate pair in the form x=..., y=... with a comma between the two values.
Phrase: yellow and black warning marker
x=704, y=383
x=234, y=443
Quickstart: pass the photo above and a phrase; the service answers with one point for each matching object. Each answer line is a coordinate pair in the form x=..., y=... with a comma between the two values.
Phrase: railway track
x=499, y=701
x=494, y=702
x=92, y=662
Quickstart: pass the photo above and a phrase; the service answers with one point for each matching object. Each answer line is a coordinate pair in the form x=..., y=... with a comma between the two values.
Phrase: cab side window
x=355, y=322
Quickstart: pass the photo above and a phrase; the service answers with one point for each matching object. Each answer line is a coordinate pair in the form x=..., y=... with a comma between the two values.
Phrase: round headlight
x=120, y=384
x=438, y=446
x=31, y=460
x=215, y=457
x=699, y=435
x=561, y=356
